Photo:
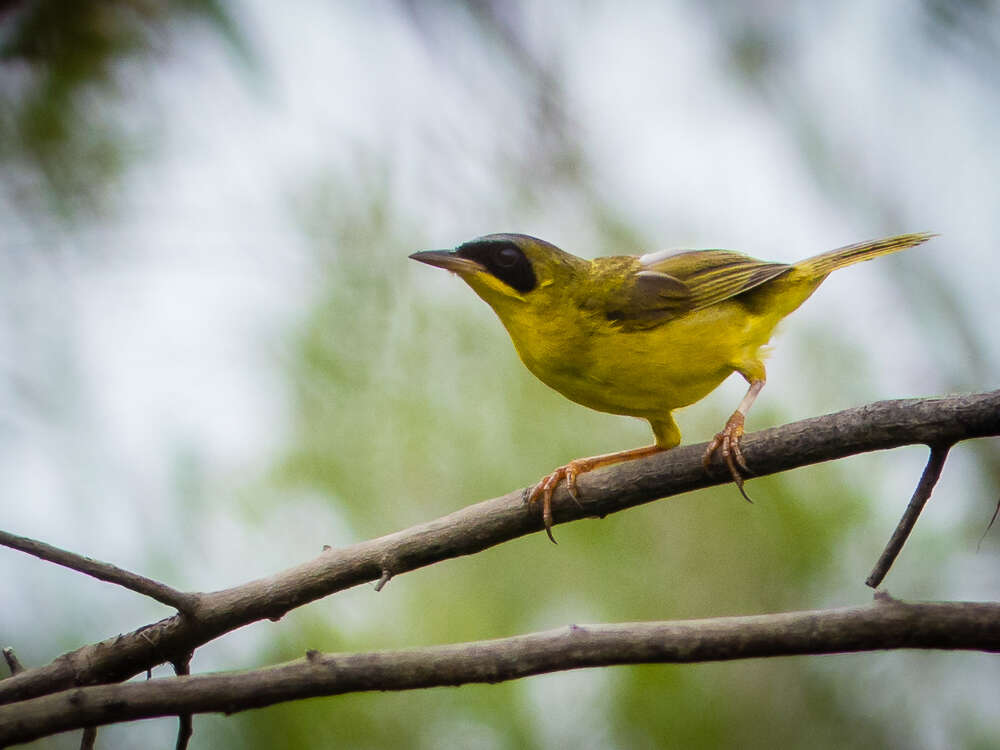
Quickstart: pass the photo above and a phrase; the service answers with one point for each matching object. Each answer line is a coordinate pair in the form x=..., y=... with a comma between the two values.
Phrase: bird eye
x=506, y=257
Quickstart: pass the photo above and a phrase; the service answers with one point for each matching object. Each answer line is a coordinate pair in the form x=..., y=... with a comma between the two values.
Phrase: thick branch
x=878, y=426
x=885, y=624
x=101, y=570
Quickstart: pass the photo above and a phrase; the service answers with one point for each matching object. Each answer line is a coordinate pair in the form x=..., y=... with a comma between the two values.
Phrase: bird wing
x=666, y=285
x=713, y=276
x=632, y=298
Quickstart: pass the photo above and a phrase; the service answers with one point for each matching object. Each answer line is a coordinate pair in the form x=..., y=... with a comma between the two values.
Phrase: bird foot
x=547, y=487
x=727, y=444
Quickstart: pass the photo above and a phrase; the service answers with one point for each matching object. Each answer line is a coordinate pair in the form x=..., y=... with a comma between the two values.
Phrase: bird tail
x=820, y=265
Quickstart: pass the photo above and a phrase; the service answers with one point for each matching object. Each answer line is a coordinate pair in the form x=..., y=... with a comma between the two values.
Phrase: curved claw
x=572, y=472
x=727, y=444
x=547, y=487
x=737, y=452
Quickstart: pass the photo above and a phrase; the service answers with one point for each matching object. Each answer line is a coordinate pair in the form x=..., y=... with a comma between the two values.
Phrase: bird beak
x=449, y=260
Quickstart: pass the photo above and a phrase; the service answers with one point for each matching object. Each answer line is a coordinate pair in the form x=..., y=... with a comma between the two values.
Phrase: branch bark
x=929, y=478
x=878, y=426
x=13, y=663
x=884, y=624
x=100, y=570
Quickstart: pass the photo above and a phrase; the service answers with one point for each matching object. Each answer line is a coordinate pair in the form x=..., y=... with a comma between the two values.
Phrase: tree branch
x=89, y=739
x=185, y=721
x=877, y=426
x=103, y=571
x=884, y=624
x=932, y=472
x=13, y=663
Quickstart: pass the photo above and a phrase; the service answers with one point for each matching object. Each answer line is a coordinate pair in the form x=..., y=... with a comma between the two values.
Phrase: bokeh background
x=215, y=356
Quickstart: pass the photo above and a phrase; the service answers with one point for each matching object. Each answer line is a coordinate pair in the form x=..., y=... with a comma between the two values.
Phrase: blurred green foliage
x=64, y=137
x=407, y=401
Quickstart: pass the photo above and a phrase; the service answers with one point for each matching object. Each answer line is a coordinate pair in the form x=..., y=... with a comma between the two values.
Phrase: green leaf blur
x=403, y=400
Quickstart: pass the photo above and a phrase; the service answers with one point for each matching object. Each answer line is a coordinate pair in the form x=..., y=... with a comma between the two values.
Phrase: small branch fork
x=204, y=616
x=183, y=602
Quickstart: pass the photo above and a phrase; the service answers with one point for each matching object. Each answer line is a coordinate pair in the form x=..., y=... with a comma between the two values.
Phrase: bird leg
x=727, y=442
x=545, y=488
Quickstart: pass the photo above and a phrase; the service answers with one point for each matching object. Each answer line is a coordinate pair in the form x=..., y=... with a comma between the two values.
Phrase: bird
x=643, y=335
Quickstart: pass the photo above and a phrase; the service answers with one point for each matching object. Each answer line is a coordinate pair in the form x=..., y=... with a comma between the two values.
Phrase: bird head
x=505, y=268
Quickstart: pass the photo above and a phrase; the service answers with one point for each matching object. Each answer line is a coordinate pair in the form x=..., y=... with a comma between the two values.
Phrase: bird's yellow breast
x=641, y=373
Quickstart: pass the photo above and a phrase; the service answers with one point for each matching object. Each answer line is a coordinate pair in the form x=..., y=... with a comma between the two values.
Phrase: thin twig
x=89, y=739
x=13, y=663
x=929, y=478
x=993, y=518
x=883, y=624
x=386, y=576
x=182, y=602
x=878, y=426
x=185, y=722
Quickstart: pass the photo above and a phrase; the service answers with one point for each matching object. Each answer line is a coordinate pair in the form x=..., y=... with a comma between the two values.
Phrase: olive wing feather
x=666, y=285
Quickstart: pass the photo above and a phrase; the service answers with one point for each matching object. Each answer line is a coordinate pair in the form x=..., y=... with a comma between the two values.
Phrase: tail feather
x=824, y=263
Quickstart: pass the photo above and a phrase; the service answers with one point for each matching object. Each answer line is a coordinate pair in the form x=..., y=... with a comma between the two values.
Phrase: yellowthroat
x=642, y=335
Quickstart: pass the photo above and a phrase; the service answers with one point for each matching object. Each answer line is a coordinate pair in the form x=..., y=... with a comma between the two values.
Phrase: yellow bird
x=642, y=335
